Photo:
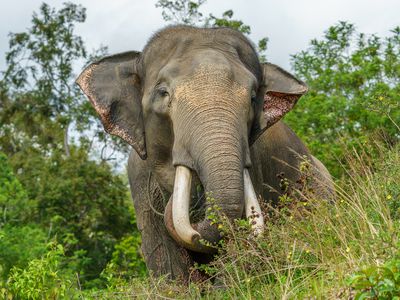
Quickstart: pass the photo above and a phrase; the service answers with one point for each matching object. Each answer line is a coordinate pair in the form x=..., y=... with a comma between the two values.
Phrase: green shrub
x=377, y=282
x=19, y=245
x=42, y=278
x=15, y=206
x=127, y=261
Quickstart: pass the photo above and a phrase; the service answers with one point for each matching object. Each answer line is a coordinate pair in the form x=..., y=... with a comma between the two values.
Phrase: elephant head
x=192, y=103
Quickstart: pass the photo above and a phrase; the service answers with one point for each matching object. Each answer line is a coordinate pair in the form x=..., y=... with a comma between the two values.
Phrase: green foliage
x=82, y=203
x=14, y=204
x=377, y=282
x=78, y=201
x=19, y=245
x=39, y=76
x=40, y=101
x=227, y=21
x=59, y=193
x=126, y=262
x=127, y=257
x=42, y=278
x=354, y=91
x=181, y=11
x=43, y=57
x=262, y=49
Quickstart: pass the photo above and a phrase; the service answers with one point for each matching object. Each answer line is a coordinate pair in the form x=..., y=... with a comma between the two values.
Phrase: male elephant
x=202, y=114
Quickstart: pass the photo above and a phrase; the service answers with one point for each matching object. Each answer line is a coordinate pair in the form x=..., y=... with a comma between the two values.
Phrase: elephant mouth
x=185, y=212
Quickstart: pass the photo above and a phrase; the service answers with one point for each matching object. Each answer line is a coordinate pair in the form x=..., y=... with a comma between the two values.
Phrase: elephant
x=203, y=116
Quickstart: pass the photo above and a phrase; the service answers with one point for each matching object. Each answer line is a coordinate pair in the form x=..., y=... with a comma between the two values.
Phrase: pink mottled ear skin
x=280, y=91
x=276, y=105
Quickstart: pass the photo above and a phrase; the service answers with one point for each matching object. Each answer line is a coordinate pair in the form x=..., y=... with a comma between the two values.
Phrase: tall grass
x=311, y=247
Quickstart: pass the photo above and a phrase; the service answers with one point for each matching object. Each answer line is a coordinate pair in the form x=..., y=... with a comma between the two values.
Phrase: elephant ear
x=113, y=87
x=280, y=91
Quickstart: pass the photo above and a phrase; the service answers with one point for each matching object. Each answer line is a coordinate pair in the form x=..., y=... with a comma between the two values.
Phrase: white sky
x=127, y=24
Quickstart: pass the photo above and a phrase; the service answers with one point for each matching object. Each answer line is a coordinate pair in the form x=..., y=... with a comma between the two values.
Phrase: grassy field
x=312, y=249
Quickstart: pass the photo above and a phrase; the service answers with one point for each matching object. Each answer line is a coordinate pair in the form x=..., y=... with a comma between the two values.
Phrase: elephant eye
x=253, y=96
x=163, y=92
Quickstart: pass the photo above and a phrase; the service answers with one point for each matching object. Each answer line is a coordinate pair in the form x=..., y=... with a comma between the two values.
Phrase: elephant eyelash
x=163, y=93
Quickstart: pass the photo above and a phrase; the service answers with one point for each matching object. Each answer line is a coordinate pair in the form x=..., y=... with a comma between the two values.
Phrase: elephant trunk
x=220, y=169
x=220, y=164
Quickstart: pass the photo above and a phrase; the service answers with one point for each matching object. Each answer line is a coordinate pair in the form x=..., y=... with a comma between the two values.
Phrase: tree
x=354, y=82
x=83, y=204
x=38, y=92
x=19, y=242
x=40, y=63
x=59, y=191
x=15, y=206
x=181, y=11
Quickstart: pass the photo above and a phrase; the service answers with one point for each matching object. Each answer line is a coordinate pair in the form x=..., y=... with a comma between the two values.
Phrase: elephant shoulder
x=277, y=153
x=279, y=137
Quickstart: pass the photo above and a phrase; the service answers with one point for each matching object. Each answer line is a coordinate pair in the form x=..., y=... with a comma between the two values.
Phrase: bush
x=377, y=282
x=127, y=261
x=42, y=278
x=19, y=245
x=15, y=207
x=81, y=203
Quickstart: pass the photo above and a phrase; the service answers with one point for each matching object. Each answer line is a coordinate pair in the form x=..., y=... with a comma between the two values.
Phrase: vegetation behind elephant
x=202, y=114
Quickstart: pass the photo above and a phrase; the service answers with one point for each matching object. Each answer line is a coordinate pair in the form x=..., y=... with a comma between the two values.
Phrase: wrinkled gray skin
x=197, y=98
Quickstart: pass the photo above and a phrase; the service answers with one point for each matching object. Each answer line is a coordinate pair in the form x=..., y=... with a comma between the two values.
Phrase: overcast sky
x=289, y=24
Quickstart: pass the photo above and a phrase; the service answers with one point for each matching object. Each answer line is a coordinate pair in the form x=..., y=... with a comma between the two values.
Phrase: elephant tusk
x=252, y=207
x=180, y=206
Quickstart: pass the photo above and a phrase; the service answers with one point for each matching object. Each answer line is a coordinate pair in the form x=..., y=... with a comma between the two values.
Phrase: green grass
x=311, y=248
x=314, y=249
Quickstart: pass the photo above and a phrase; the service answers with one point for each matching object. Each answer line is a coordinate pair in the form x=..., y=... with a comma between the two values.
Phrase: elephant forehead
x=209, y=80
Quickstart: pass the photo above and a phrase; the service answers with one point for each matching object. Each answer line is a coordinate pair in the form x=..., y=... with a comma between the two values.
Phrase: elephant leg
x=163, y=256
